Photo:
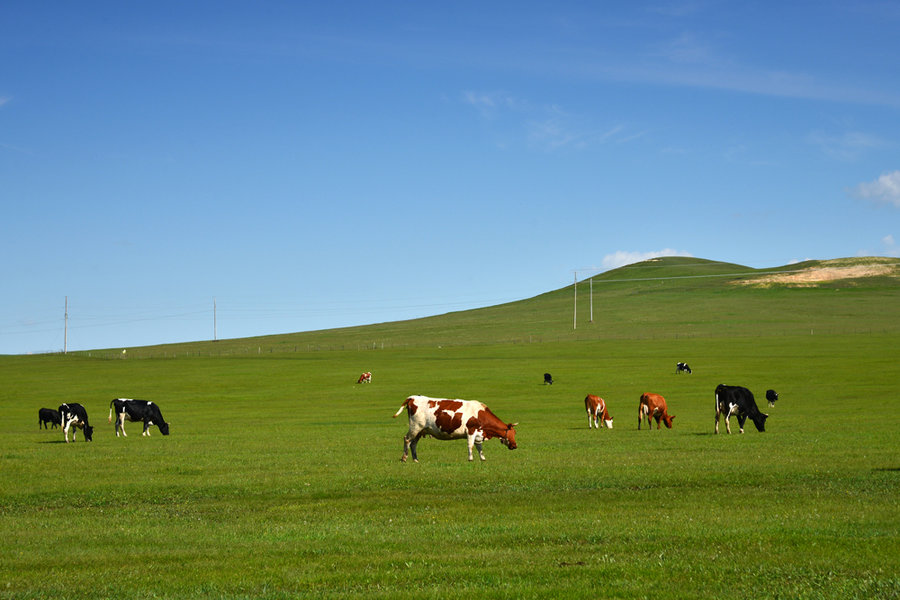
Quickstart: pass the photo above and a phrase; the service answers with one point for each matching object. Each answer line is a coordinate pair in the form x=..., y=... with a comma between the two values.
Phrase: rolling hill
x=660, y=298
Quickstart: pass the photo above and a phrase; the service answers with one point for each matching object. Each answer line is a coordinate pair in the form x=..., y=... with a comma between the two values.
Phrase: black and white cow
x=548, y=378
x=738, y=401
x=48, y=415
x=682, y=367
x=74, y=415
x=771, y=396
x=128, y=409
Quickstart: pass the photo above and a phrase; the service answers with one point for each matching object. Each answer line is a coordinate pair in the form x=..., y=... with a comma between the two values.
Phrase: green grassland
x=281, y=478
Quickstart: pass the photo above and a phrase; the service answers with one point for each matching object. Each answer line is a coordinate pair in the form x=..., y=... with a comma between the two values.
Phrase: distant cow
x=548, y=378
x=365, y=378
x=738, y=401
x=127, y=409
x=653, y=406
x=452, y=420
x=73, y=415
x=771, y=396
x=597, y=412
x=681, y=367
x=48, y=415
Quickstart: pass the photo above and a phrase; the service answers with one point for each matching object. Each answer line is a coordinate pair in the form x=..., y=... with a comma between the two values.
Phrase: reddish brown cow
x=451, y=420
x=365, y=378
x=597, y=412
x=653, y=406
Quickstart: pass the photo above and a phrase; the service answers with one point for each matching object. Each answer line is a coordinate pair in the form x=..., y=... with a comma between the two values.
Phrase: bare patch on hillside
x=826, y=272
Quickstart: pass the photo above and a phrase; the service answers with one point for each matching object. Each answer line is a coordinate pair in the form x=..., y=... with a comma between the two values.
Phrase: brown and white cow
x=446, y=419
x=365, y=377
x=653, y=406
x=597, y=412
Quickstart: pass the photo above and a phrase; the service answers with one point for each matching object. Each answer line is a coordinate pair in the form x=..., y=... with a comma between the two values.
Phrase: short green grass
x=281, y=478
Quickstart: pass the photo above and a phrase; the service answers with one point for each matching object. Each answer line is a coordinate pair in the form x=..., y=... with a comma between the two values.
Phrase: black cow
x=679, y=367
x=74, y=415
x=136, y=410
x=48, y=415
x=736, y=400
x=771, y=396
x=548, y=378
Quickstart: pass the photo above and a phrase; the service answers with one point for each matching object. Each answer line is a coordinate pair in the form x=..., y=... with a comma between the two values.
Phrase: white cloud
x=884, y=190
x=890, y=247
x=620, y=258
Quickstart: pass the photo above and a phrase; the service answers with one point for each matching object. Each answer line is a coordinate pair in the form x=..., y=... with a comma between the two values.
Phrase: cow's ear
x=511, y=425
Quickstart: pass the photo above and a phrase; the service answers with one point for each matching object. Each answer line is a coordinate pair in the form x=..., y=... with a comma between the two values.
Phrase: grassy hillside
x=673, y=297
x=281, y=477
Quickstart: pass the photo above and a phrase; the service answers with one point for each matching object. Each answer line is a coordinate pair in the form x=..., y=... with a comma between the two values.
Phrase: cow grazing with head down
x=548, y=378
x=653, y=406
x=73, y=415
x=452, y=420
x=771, y=396
x=127, y=409
x=738, y=401
x=48, y=415
x=597, y=412
x=365, y=378
x=681, y=367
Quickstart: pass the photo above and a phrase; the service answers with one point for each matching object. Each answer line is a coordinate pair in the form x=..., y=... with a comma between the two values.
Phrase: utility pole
x=575, y=317
x=66, y=329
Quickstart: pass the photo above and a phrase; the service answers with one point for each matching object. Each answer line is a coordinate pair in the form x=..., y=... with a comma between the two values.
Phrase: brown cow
x=597, y=412
x=365, y=377
x=452, y=420
x=653, y=406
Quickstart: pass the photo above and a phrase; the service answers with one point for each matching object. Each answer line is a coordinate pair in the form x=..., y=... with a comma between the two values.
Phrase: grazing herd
x=441, y=418
x=74, y=416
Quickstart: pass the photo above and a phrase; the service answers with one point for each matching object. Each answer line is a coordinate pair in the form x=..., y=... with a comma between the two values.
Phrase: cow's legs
x=120, y=424
x=476, y=440
x=147, y=428
x=728, y=419
x=742, y=418
x=717, y=420
x=410, y=441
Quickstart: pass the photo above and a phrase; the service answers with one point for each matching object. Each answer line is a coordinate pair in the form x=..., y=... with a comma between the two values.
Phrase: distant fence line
x=260, y=350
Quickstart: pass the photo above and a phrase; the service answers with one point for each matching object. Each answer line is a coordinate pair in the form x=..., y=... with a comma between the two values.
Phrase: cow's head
x=608, y=422
x=667, y=419
x=164, y=428
x=88, y=433
x=760, y=421
x=508, y=439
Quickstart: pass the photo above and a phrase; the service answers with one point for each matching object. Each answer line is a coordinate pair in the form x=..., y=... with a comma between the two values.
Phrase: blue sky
x=312, y=165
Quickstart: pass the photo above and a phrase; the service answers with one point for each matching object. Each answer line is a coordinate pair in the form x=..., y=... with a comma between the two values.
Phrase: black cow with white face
x=738, y=401
x=128, y=409
x=48, y=415
x=772, y=397
x=73, y=415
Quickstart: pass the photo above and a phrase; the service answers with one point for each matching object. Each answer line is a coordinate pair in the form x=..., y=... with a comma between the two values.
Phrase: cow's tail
x=111, y=402
x=402, y=406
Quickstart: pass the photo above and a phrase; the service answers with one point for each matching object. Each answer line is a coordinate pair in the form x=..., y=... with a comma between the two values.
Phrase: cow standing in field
x=548, y=379
x=365, y=378
x=681, y=367
x=597, y=412
x=771, y=396
x=653, y=406
x=127, y=409
x=48, y=415
x=73, y=415
x=738, y=401
x=452, y=420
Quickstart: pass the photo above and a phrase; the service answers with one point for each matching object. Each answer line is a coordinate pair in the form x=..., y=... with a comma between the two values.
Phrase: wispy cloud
x=845, y=146
x=884, y=190
x=4, y=100
x=545, y=127
x=620, y=258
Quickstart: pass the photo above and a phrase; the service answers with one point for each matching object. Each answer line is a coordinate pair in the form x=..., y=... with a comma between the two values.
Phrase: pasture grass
x=281, y=478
